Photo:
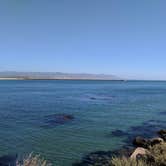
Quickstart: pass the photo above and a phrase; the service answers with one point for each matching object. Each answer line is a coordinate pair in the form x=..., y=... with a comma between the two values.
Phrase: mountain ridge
x=55, y=75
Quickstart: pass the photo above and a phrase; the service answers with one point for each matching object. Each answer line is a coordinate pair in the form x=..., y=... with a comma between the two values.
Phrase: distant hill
x=55, y=75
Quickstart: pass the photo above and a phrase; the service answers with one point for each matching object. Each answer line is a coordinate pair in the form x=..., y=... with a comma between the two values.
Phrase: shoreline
x=77, y=79
x=143, y=152
x=11, y=79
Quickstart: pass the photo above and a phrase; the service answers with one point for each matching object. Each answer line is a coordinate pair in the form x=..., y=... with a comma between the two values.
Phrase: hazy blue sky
x=122, y=37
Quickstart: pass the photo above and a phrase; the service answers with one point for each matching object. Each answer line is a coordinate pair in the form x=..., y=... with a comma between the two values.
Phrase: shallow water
x=98, y=108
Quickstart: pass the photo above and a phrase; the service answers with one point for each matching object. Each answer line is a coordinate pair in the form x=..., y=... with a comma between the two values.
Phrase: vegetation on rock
x=33, y=160
x=127, y=162
x=157, y=158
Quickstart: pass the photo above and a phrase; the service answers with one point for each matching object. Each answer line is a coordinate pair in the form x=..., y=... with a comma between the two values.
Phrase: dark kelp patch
x=119, y=133
x=101, y=97
x=101, y=158
x=96, y=158
x=162, y=113
x=93, y=98
x=147, y=130
x=57, y=119
x=8, y=160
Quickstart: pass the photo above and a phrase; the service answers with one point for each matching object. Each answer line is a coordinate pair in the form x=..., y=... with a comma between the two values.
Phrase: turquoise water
x=98, y=107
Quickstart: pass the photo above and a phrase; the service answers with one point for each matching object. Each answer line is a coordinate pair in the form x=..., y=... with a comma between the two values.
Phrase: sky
x=126, y=38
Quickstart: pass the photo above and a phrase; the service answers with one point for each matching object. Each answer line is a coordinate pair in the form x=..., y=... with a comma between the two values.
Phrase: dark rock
x=155, y=141
x=8, y=160
x=145, y=143
x=162, y=134
x=57, y=119
x=141, y=142
x=119, y=133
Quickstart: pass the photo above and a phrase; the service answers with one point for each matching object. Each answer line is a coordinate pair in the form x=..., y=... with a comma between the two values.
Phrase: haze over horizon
x=117, y=37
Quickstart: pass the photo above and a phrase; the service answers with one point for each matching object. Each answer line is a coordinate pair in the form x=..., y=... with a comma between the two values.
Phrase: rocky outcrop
x=155, y=141
x=138, y=151
x=145, y=143
x=141, y=142
x=162, y=134
x=143, y=154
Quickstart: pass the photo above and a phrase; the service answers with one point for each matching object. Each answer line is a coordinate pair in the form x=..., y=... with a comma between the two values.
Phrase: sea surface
x=65, y=120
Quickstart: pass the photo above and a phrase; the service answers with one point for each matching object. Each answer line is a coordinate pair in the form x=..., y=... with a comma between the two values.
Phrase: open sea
x=65, y=120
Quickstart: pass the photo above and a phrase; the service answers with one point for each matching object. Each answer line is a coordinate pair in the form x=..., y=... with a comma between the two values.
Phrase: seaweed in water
x=119, y=133
x=147, y=129
x=57, y=119
x=8, y=160
x=101, y=158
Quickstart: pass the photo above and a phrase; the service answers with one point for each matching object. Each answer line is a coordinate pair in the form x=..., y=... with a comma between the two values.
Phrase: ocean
x=64, y=120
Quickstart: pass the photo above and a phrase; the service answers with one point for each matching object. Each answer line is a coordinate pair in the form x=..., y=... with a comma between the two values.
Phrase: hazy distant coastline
x=54, y=76
x=7, y=78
